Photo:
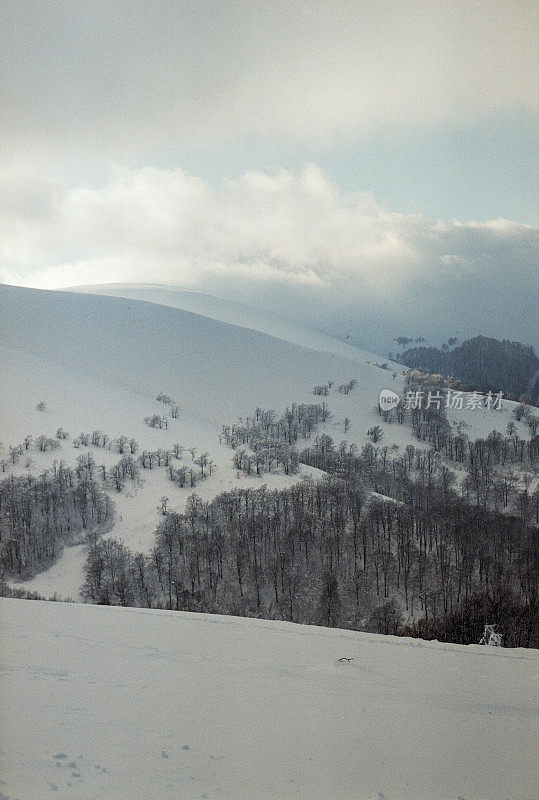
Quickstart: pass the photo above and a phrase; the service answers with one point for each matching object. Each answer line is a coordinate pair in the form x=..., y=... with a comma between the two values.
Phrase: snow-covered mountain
x=129, y=703
x=226, y=310
x=133, y=704
x=214, y=369
x=99, y=362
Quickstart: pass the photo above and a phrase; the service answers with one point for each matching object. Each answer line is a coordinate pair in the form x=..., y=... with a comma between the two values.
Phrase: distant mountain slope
x=225, y=310
x=482, y=363
x=132, y=704
x=99, y=363
x=213, y=368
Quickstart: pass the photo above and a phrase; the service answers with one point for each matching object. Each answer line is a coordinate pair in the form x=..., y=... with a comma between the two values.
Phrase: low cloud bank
x=293, y=241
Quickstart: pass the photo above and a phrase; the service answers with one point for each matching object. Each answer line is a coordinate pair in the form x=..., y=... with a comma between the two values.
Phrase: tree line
x=482, y=363
x=39, y=515
x=329, y=553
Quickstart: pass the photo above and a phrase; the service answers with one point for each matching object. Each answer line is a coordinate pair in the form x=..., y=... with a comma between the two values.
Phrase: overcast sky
x=274, y=148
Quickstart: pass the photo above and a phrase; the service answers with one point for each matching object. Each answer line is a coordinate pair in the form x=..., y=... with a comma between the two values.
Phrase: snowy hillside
x=134, y=704
x=213, y=369
x=226, y=310
x=240, y=314
x=98, y=363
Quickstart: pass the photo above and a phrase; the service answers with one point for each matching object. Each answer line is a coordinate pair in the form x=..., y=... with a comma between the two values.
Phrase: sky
x=345, y=158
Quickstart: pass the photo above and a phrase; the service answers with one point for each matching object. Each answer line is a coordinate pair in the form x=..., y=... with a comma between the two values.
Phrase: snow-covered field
x=128, y=704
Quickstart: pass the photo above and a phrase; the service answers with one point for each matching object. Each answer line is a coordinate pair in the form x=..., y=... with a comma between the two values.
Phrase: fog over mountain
x=337, y=261
x=364, y=167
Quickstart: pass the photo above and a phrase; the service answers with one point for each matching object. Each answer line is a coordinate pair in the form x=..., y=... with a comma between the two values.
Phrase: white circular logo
x=388, y=400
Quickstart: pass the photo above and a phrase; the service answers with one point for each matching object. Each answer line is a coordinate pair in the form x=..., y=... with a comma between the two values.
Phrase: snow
x=105, y=702
x=226, y=310
x=482, y=421
x=64, y=578
x=130, y=703
x=214, y=370
x=99, y=363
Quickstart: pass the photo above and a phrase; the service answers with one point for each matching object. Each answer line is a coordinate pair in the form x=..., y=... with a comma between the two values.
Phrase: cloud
x=287, y=227
x=290, y=240
x=129, y=78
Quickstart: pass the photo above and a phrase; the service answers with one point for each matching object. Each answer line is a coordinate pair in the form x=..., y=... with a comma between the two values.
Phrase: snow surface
x=99, y=363
x=226, y=310
x=63, y=579
x=101, y=702
x=128, y=703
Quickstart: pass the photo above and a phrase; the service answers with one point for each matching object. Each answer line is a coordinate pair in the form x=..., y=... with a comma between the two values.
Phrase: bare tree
x=375, y=433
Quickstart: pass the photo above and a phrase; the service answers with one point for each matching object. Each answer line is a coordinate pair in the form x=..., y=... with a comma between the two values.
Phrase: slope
x=131, y=703
x=226, y=310
x=215, y=369
x=99, y=362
